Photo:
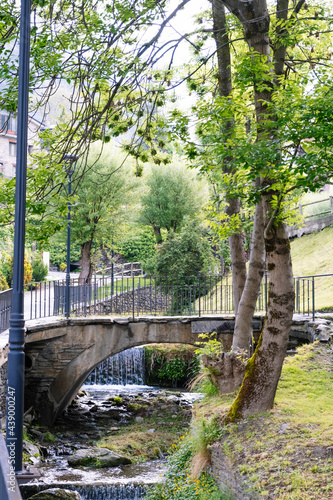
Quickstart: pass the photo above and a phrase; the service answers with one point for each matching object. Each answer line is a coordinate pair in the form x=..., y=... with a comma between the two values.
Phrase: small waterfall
x=121, y=492
x=93, y=491
x=124, y=368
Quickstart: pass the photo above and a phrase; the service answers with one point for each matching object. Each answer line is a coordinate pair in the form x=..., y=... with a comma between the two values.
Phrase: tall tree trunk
x=86, y=266
x=264, y=368
x=227, y=369
x=236, y=240
x=242, y=338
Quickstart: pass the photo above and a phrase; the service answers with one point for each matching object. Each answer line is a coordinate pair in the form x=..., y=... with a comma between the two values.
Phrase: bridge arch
x=62, y=354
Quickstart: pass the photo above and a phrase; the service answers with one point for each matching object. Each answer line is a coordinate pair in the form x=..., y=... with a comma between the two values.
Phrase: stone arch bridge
x=61, y=354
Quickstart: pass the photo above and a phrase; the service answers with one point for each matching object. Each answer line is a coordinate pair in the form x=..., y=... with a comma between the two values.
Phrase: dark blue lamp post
x=15, y=371
x=71, y=159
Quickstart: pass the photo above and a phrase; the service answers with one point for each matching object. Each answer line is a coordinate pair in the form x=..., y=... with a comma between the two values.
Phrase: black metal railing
x=5, y=309
x=138, y=296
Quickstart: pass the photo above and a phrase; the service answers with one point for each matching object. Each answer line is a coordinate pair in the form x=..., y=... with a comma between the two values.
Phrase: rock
x=56, y=494
x=30, y=449
x=151, y=430
x=139, y=420
x=97, y=457
x=323, y=332
x=28, y=418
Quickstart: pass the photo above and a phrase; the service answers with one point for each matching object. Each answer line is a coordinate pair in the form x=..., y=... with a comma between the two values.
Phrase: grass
x=287, y=453
x=123, y=285
x=137, y=442
x=313, y=254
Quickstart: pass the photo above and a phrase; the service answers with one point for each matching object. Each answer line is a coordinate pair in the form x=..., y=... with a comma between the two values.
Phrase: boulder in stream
x=56, y=494
x=97, y=457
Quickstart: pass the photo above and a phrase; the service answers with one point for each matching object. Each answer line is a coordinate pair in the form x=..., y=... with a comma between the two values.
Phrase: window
x=12, y=148
x=3, y=123
x=12, y=124
x=8, y=124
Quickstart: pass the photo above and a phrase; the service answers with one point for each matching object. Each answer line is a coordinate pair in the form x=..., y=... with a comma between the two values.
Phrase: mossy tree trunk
x=264, y=368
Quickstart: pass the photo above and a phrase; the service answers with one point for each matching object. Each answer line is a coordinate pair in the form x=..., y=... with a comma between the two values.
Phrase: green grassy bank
x=312, y=255
x=284, y=454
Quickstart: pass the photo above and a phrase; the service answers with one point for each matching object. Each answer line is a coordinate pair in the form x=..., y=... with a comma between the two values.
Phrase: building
x=8, y=141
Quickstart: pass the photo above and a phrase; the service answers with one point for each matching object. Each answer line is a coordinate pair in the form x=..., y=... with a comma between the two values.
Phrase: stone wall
x=146, y=300
x=228, y=478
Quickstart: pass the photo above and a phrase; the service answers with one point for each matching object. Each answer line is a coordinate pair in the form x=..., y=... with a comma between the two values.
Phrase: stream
x=112, y=398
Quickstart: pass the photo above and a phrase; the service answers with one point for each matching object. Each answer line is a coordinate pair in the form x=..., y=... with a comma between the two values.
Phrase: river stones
x=97, y=457
x=56, y=494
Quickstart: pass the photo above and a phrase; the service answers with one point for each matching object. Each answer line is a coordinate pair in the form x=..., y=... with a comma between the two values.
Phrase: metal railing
x=137, y=296
x=5, y=309
x=327, y=210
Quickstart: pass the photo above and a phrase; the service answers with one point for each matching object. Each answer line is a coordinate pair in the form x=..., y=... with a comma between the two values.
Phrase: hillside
x=313, y=254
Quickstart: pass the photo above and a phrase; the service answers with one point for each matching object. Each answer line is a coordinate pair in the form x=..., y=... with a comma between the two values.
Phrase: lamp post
x=15, y=370
x=71, y=159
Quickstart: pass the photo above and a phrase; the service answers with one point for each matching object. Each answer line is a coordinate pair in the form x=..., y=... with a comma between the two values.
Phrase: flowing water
x=125, y=368
x=120, y=375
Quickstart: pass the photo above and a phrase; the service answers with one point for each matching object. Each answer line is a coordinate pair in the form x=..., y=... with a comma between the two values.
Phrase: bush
x=180, y=483
x=3, y=283
x=139, y=248
x=63, y=267
x=170, y=366
x=7, y=270
x=39, y=270
x=186, y=253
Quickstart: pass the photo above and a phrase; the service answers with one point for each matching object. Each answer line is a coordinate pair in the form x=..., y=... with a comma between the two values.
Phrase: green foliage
x=170, y=366
x=179, y=483
x=186, y=253
x=139, y=247
x=57, y=247
x=102, y=196
x=7, y=269
x=206, y=387
x=49, y=437
x=39, y=269
x=174, y=195
x=209, y=345
x=3, y=283
x=62, y=267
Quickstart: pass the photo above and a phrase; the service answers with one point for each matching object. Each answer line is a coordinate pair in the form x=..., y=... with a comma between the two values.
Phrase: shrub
x=63, y=267
x=39, y=270
x=186, y=253
x=3, y=283
x=179, y=481
x=172, y=365
x=7, y=270
x=139, y=248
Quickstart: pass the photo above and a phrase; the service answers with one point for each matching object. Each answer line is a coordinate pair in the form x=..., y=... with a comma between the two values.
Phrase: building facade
x=8, y=142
